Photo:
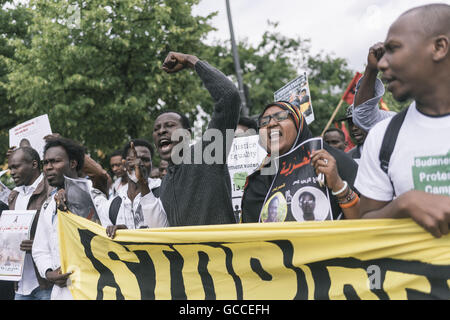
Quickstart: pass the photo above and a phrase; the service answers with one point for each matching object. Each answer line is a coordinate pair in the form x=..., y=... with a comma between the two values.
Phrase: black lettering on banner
x=229, y=266
x=257, y=268
x=176, y=276
x=144, y=270
x=106, y=278
x=207, y=280
x=288, y=255
x=436, y=275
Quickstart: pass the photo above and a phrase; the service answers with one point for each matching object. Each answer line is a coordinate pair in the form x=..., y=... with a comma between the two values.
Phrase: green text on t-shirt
x=432, y=174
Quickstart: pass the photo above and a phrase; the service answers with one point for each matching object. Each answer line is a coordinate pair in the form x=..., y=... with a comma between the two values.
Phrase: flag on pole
x=349, y=94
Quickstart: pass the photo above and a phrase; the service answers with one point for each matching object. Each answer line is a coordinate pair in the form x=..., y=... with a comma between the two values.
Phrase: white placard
x=31, y=132
x=15, y=226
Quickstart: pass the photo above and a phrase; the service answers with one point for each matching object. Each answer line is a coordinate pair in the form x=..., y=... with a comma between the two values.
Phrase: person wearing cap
x=283, y=126
x=358, y=135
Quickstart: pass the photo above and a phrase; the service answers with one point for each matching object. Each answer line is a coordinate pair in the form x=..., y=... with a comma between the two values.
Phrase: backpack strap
x=390, y=138
x=155, y=192
x=114, y=209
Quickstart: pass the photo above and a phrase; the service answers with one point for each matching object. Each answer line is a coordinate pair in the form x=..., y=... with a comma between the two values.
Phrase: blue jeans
x=36, y=294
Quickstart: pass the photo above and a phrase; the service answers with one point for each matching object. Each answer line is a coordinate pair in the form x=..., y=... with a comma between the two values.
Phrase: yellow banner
x=354, y=259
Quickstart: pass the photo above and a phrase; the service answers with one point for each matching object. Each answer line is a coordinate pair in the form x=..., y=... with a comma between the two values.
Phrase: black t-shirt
x=258, y=185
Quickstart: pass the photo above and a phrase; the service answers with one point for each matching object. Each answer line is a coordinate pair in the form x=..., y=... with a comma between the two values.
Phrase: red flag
x=349, y=94
x=383, y=105
x=348, y=139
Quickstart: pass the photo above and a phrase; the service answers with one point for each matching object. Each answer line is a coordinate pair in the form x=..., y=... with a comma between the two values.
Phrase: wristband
x=340, y=191
x=350, y=204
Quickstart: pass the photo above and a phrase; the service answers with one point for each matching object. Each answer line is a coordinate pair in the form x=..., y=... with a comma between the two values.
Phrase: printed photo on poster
x=275, y=209
x=15, y=226
x=31, y=133
x=297, y=188
x=4, y=190
x=79, y=199
x=297, y=93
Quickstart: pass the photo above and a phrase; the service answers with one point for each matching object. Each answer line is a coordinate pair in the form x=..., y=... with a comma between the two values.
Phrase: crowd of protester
x=415, y=64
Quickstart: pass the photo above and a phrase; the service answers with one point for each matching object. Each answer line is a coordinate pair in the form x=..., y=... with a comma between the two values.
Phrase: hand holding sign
x=325, y=163
x=60, y=199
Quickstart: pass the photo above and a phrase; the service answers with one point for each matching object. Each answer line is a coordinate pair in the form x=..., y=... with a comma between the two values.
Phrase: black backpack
x=389, y=140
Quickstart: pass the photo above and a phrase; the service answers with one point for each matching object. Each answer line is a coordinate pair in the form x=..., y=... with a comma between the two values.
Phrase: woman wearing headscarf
x=282, y=126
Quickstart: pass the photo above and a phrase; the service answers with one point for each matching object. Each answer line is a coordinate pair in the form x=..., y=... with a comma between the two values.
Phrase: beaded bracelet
x=350, y=196
x=350, y=204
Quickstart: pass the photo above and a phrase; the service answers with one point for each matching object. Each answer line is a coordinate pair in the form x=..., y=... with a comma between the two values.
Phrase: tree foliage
x=100, y=81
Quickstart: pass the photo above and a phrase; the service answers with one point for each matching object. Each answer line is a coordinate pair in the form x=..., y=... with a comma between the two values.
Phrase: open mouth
x=275, y=135
x=165, y=144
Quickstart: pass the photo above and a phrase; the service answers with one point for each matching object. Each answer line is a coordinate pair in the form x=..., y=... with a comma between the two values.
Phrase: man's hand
x=99, y=176
x=111, y=230
x=57, y=278
x=61, y=200
x=430, y=211
x=26, y=245
x=376, y=52
x=176, y=61
x=366, y=89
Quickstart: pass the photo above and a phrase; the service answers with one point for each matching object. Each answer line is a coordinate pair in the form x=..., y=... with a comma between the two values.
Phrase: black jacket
x=200, y=194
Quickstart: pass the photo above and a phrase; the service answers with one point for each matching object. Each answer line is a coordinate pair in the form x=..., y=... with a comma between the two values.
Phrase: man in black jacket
x=197, y=193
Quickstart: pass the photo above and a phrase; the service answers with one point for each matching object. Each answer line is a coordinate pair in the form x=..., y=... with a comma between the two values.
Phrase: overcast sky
x=346, y=28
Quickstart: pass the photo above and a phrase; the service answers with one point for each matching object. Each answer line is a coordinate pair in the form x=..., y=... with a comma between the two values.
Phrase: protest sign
x=31, y=133
x=246, y=156
x=4, y=190
x=79, y=199
x=296, y=194
x=15, y=226
x=297, y=93
x=346, y=259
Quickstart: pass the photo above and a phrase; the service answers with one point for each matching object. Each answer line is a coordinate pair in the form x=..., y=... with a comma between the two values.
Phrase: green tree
x=275, y=61
x=99, y=78
x=14, y=23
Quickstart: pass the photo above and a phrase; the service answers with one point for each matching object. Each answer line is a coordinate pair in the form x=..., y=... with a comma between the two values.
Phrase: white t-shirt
x=143, y=212
x=420, y=160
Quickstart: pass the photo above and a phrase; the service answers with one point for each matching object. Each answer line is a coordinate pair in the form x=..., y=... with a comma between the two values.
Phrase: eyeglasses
x=279, y=116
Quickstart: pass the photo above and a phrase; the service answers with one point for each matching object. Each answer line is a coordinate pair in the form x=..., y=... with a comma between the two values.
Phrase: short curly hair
x=74, y=150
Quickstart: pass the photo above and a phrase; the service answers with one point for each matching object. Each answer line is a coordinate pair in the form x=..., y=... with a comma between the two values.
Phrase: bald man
x=415, y=65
